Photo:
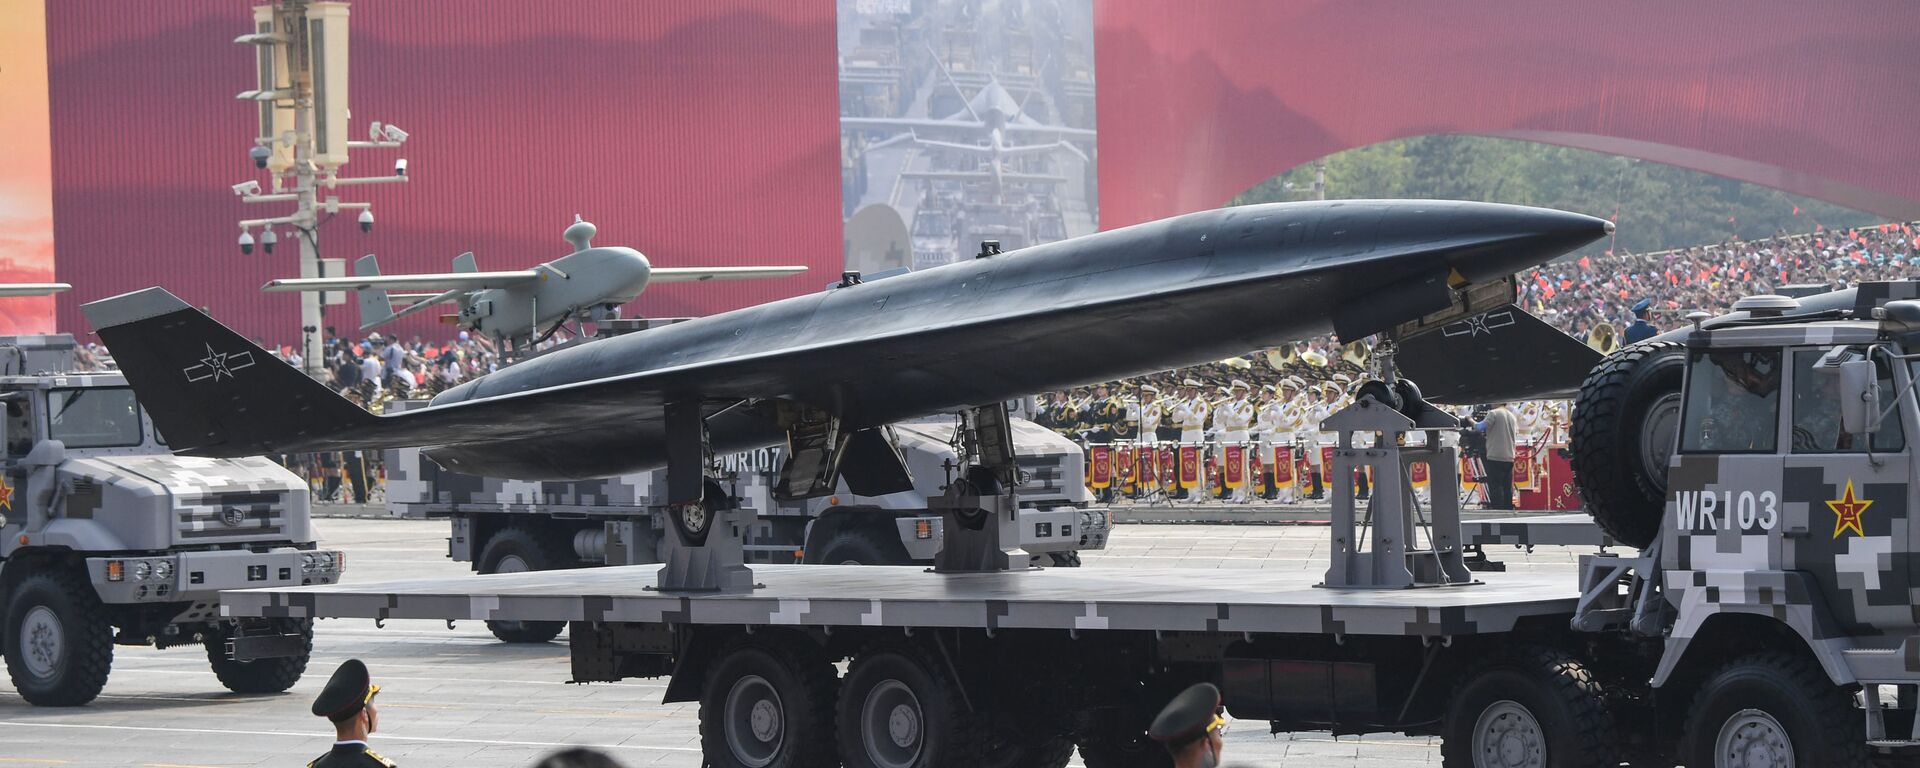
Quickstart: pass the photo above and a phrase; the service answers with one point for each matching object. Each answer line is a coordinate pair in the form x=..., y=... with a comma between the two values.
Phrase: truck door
x=16, y=434
x=1854, y=493
x=1724, y=488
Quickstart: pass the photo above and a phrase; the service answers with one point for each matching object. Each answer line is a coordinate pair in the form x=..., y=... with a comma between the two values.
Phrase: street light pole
x=302, y=99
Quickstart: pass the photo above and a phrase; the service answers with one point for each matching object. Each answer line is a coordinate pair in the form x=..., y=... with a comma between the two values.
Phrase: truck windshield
x=96, y=417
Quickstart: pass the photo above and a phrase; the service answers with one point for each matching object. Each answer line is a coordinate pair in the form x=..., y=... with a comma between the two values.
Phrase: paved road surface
x=459, y=698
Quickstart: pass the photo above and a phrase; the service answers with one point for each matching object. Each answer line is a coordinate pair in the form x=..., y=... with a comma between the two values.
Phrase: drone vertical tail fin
x=376, y=306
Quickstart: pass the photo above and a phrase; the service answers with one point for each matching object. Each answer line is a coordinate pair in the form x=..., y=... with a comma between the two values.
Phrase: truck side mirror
x=46, y=453
x=1859, y=397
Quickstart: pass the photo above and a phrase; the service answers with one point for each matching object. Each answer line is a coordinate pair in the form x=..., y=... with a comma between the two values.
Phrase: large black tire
x=1624, y=424
x=768, y=705
x=514, y=550
x=1534, y=707
x=1135, y=752
x=1775, y=707
x=861, y=545
x=899, y=708
x=59, y=643
x=1065, y=559
x=262, y=675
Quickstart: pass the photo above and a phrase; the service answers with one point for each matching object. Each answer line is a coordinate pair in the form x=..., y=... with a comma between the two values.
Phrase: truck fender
x=1794, y=612
x=79, y=535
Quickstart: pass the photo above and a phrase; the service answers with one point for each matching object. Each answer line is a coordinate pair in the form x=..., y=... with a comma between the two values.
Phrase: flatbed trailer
x=911, y=597
x=1030, y=665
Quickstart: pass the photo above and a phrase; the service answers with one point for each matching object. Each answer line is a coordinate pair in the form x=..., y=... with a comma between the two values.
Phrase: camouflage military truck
x=504, y=526
x=106, y=538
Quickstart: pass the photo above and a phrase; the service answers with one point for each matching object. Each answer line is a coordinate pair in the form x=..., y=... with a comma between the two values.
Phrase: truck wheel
x=900, y=709
x=1135, y=752
x=768, y=706
x=262, y=675
x=517, y=550
x=1065, y=559
x=860, y=546
x=1535, y=708
x=59, y=642
x=1772, y=709
x=1625, y=422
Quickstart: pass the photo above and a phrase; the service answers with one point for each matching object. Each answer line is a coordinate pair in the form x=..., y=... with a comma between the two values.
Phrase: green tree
x=1656, y=206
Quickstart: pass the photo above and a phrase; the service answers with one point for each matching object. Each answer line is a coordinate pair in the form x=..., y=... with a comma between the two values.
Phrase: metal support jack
x=979, y=512
x=703, y=547
x=1393, y=556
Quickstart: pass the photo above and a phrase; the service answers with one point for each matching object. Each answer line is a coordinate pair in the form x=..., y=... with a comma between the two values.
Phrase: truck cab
x=107, y=538
x=1779, y=576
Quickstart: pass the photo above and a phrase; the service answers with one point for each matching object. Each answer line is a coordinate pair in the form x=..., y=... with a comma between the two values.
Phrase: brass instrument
x=1282, y=356
x=1603, y=338
x=1356, y=353
x=1314, y=357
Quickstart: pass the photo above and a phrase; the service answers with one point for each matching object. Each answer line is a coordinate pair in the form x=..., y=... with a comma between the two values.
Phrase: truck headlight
x=326, y=561
x=309, y=562
x=142, y=569
x=163, y=569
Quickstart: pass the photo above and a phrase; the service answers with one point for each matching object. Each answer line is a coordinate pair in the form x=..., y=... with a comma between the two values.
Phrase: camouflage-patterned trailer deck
x=908, y=596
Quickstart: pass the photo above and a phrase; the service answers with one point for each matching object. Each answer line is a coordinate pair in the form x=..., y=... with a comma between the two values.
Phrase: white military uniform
x=1150, y=416
x=1191, y=417
x=1275, y=427
x=1233, y=418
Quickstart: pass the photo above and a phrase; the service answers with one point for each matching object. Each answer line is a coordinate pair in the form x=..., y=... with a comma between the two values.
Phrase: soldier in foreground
x=1192, y=727
x=348, y=702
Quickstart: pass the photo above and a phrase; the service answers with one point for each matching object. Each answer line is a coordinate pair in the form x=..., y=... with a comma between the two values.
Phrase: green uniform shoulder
x=365, y=758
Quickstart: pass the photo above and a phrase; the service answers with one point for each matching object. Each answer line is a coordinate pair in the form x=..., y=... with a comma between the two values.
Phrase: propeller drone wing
x=465, y=281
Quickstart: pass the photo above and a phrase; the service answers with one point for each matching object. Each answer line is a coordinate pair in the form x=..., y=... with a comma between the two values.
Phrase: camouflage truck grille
x=231, y=515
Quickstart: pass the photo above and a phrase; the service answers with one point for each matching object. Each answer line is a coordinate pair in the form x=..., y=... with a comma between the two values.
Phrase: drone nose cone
x=1519, y=237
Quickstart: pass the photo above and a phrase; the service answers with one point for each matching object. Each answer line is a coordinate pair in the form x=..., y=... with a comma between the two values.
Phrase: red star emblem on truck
x=6, y=494
x=1847, y=510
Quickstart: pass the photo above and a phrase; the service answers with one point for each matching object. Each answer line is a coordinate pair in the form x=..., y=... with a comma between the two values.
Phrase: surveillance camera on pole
x=302, y=142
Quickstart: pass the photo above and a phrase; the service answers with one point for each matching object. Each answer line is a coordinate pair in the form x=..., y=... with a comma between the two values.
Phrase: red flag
x=1586, y=263
x=1796, y=210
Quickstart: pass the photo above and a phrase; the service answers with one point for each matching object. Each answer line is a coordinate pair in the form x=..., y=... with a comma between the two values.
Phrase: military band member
x=1276, y=429
x=1236, y=415
x=1152, y=413
x=347, y=701
x=1191, y=412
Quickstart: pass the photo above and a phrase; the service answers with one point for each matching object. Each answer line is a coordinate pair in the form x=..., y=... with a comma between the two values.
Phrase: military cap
x=1238, y=384
x=1642, y=305
x=1150, y=388
x=347, y=692
x=1190, y=716
x=1190, y=382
